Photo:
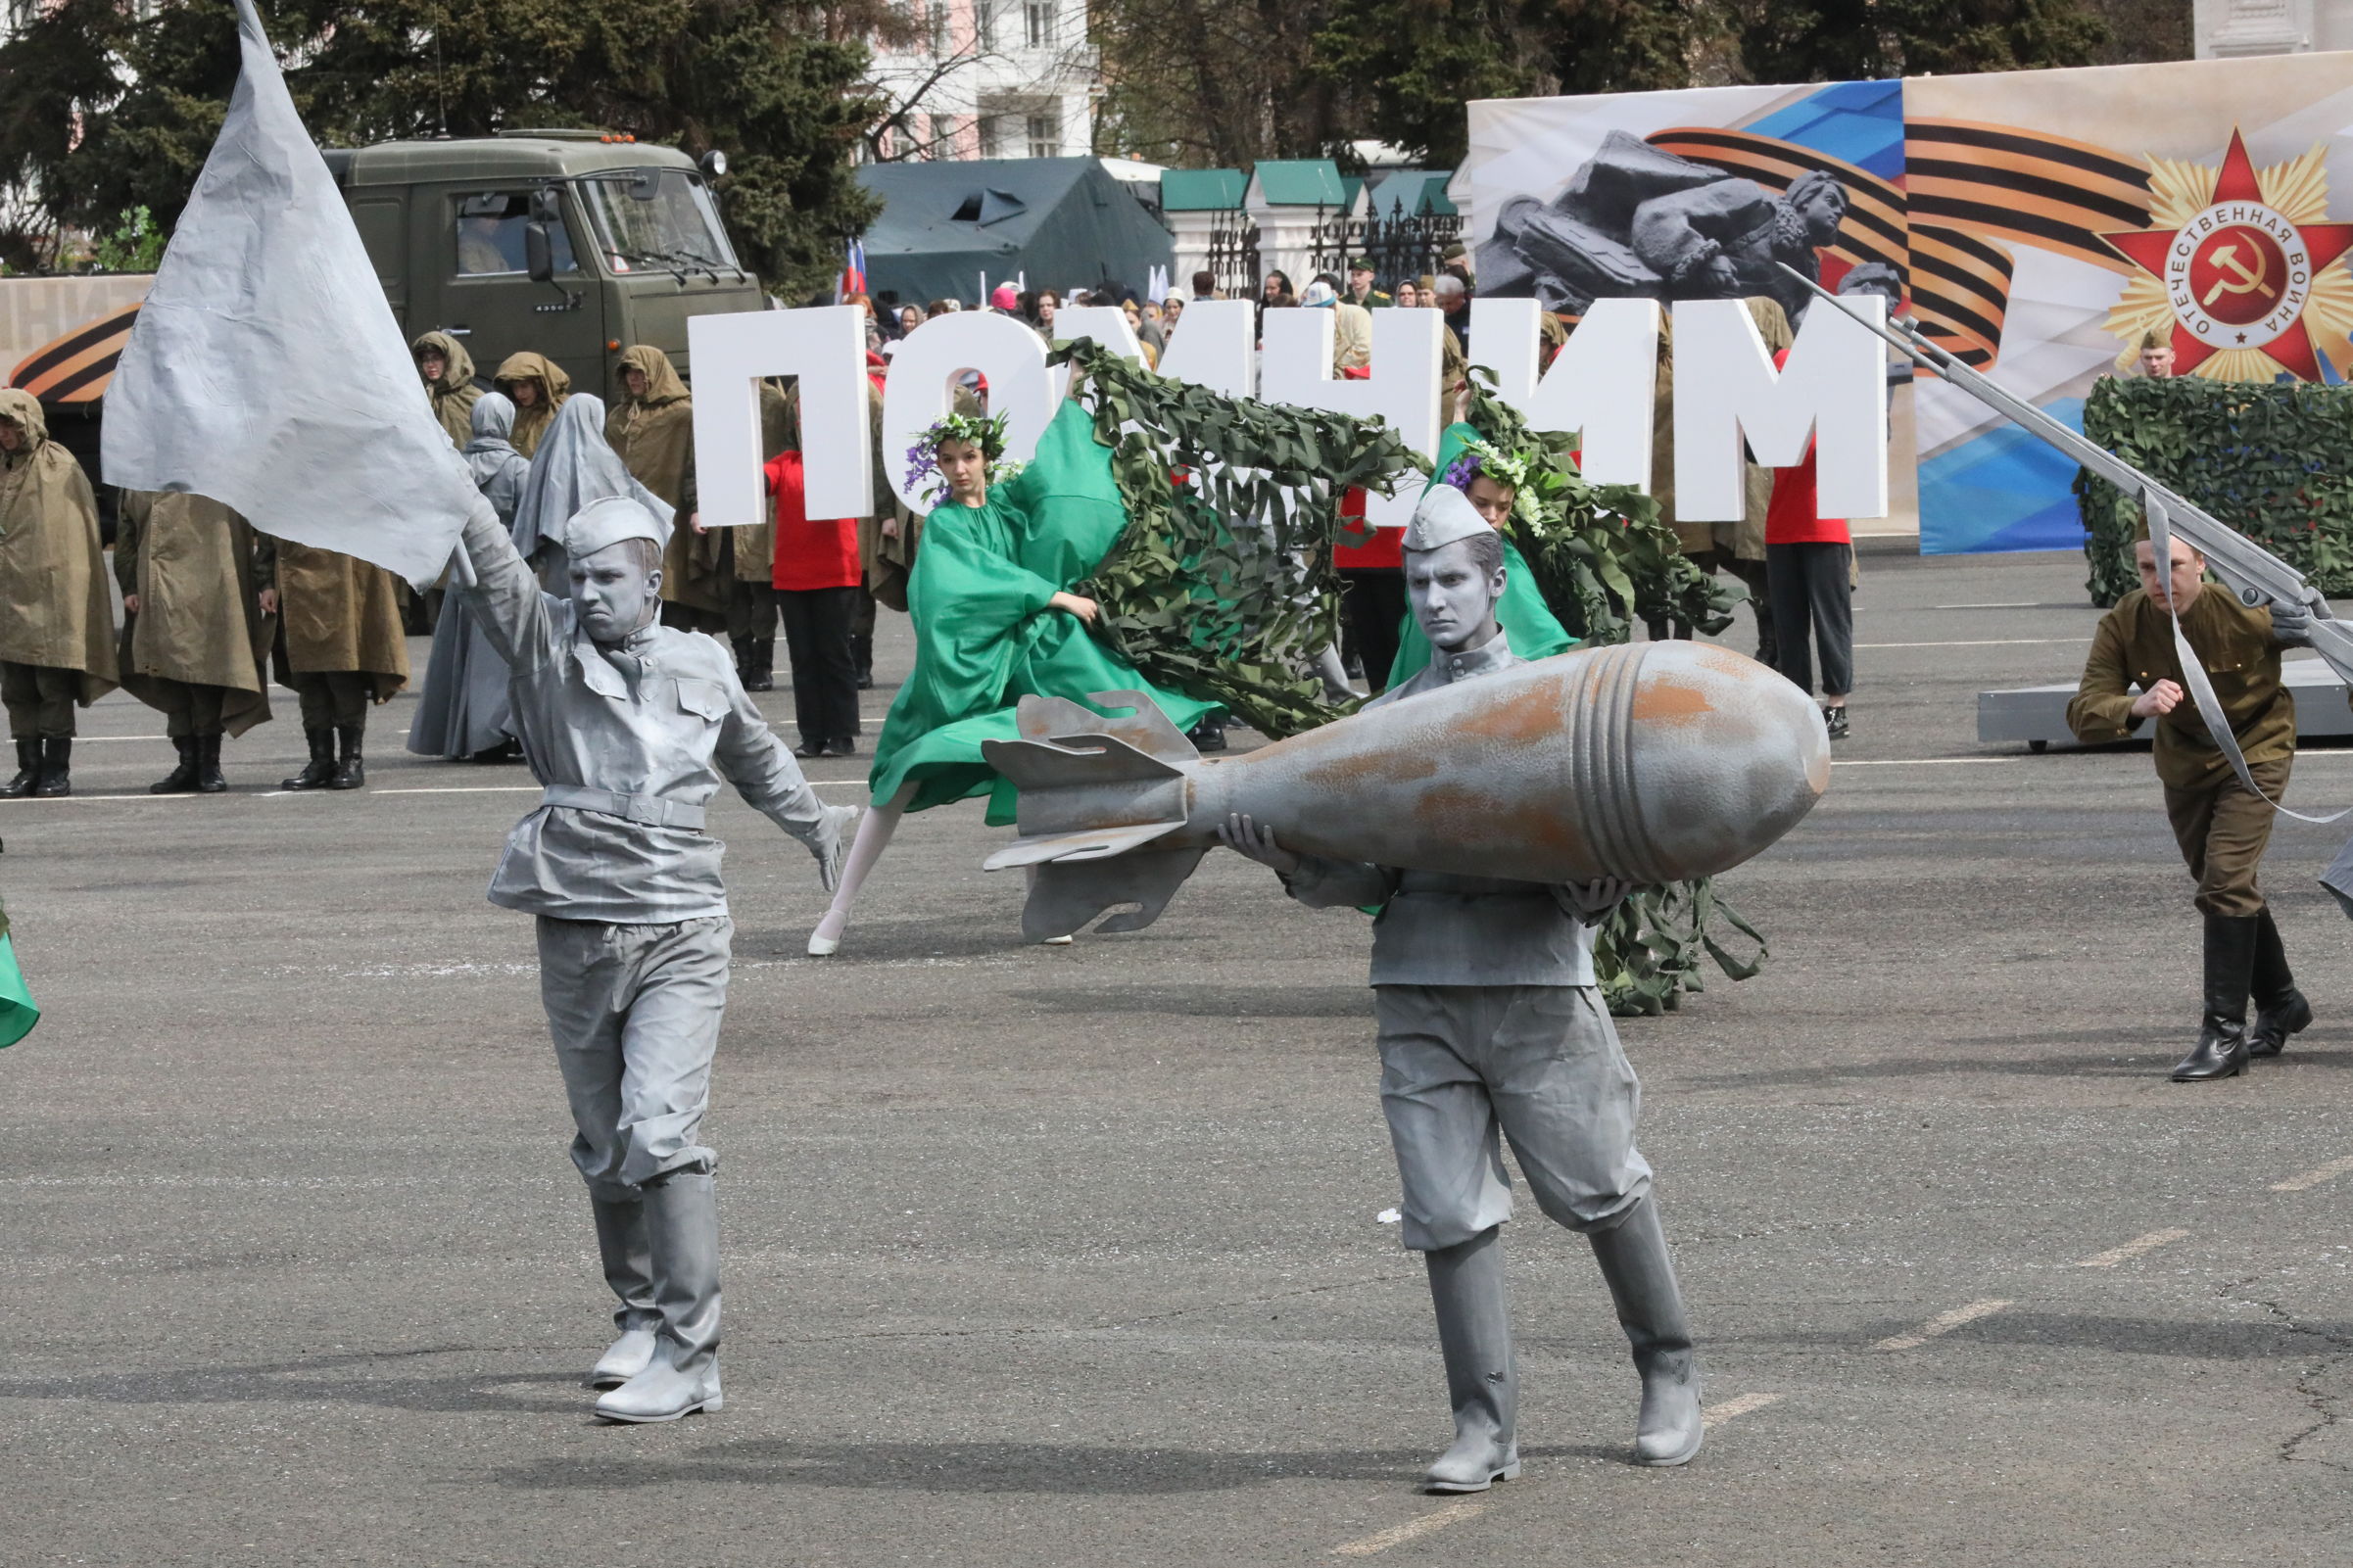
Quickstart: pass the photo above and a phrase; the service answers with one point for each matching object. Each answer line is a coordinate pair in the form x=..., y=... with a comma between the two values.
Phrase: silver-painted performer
x=462, y=710
x=631, y=727
x=1490, y=1021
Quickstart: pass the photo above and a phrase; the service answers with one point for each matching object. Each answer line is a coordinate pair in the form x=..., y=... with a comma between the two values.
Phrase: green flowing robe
x=983, y=636
x=1533, y=629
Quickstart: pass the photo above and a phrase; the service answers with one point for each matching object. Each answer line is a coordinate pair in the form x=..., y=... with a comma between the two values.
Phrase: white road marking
x=1455, y=1513
x=2005, y=604
x=1941, y=1324
x=2316, y=1176
x=1986, y=642
x=1431, y=1523
x=68, y=801
x=1734, y=1410
x=2132, y=1249
x=103, y=739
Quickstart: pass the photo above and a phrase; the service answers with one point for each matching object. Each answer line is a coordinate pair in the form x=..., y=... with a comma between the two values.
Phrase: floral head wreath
x=1479, y=457
x=987, y=434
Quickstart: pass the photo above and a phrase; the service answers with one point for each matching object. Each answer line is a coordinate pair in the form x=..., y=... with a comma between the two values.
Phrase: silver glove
x=830, y=843
x=2291, y=626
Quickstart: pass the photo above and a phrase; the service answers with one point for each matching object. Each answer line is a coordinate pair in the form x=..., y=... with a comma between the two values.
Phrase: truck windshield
x=657, y=218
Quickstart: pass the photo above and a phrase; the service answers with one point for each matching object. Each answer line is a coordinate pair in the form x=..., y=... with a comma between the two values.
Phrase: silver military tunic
x=631, y=743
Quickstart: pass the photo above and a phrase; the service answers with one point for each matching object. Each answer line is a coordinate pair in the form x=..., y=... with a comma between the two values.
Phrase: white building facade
x=990, y=78
x=2228, y=28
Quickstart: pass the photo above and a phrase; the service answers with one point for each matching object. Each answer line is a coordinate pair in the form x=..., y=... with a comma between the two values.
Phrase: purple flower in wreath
x=1463, y=470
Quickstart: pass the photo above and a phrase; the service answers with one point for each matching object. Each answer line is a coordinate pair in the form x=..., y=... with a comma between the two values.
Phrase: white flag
x=266, y=369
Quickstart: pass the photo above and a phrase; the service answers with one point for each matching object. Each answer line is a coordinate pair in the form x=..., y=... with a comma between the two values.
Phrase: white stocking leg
x=874, y=837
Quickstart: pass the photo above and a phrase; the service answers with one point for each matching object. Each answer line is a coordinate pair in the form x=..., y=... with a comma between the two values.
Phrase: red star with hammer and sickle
x=2235, y=182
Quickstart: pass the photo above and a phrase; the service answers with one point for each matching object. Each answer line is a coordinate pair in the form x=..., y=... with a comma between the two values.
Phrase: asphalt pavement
x=1045, y=1255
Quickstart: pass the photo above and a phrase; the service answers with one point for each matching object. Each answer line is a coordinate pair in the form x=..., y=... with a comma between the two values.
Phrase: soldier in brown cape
x=449, y=377
x=538, y=386
x=195, y=632
x=57, y=634
x=652, y=426
x=339, y=645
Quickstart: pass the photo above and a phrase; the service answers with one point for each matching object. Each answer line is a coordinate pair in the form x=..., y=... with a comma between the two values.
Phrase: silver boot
x=1649, y=1305
x=681, y=1226
x=629, y=1270
x=1482, y=1382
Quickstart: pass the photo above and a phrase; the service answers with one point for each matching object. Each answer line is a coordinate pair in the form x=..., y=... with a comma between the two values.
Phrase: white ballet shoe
x=827, y=937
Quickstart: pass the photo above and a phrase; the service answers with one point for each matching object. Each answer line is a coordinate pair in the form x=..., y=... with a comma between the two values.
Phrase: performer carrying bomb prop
x=630, y=726
x=2222, y=827
x=1490, y=1021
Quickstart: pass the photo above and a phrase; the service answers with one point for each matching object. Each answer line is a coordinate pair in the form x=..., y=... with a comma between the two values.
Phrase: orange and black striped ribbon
x=76, y=367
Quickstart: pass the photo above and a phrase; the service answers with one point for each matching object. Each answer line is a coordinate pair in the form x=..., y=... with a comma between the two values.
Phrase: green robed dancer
x=994, y=622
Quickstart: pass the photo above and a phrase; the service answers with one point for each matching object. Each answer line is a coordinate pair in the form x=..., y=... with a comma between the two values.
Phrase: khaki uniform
x=195, y=648
x=2222, y=829
x=57, y=630
x=555, y=385
x=340, y=644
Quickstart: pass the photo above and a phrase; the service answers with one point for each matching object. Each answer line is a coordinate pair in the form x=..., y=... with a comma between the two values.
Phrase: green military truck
x=574, y=243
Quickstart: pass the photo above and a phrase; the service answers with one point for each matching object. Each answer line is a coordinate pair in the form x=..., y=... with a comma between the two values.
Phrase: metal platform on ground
x=2037, y=714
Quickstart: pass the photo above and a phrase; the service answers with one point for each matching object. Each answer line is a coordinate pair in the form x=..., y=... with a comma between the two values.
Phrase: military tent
x=1059, y=222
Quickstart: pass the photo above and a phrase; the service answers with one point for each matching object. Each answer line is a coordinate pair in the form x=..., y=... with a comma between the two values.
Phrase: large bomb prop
x=1649, y=762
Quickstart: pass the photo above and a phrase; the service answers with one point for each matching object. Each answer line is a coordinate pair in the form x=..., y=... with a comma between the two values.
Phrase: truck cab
x=576, y=244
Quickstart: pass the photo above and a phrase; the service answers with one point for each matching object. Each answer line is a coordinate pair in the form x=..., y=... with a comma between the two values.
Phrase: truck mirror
x=545, y=205
x=539, y=252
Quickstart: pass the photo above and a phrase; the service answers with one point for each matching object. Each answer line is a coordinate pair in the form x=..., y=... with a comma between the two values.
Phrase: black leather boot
x=1641, y=1276
x=57, y=767
x=208, y=780
x=350, y=771
x=183, y=779
x=2222, y=1048
x=28, y=770
x=319, y=772
x=2280, y=1008
x=1209, y=735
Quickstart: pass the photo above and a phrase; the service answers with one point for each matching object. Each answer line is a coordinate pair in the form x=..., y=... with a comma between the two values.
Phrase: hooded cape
x=55, y=609
x=531, y=424
x=455, y=394
x=190, y=560
x=654, y=436
x=499, y=470
x=572, y=467
x=337, y=612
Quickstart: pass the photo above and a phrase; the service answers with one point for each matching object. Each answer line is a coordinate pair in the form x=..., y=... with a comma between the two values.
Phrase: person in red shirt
x=817, y=578
x=1809, y=564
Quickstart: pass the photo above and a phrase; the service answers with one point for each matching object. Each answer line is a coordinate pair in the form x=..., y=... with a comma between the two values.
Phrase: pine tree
x=107, y=110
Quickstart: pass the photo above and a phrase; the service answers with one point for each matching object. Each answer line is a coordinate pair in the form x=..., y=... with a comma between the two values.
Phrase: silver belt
x=649, y=810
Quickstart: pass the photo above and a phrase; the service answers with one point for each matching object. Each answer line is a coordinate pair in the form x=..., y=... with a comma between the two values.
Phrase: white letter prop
x=1107, y=324
x=1403, y=388
x=1010, y=358
x=824, y=346
x=1603, y=383
x=1210, y=347
x=1833, y=389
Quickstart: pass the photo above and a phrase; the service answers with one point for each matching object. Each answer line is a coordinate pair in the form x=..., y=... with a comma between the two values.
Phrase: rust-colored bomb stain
x=1528, y=717
x=1659, y=699
x=1540, y=833
x=1351, y=769
x=1817, y=771
x=1725, y=661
